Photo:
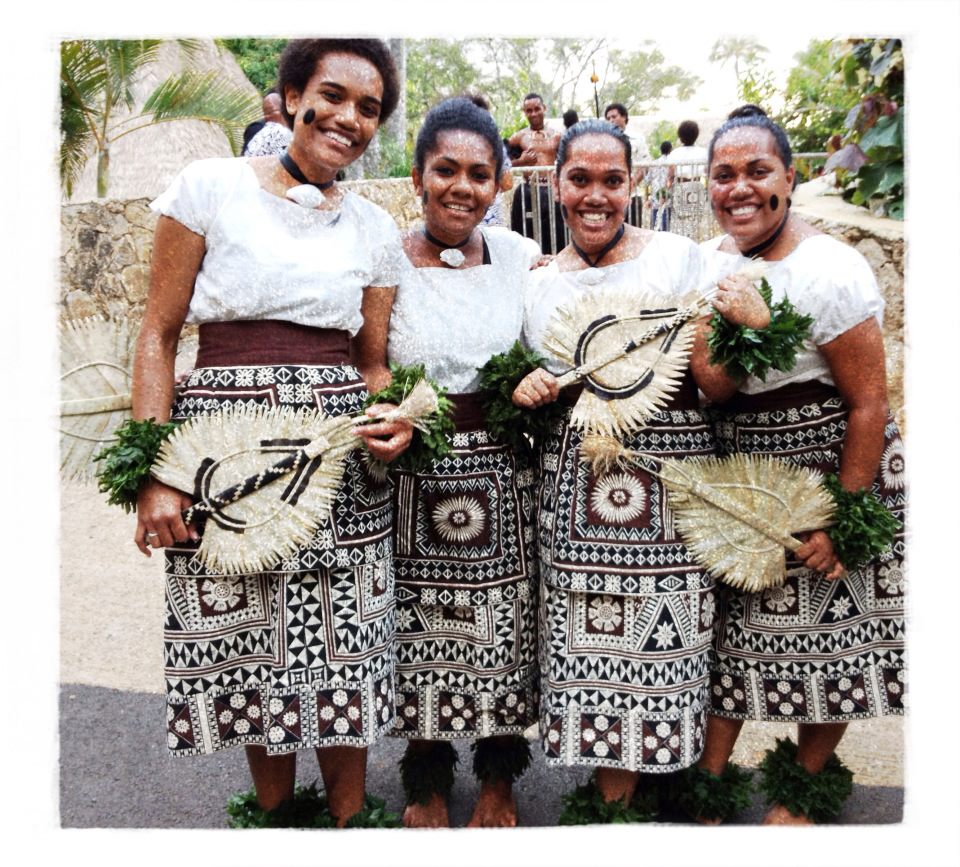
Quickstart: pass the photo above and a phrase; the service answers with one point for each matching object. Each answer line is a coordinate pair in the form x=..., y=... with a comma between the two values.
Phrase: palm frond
x=201, y=96
x=82, y=81
x=124, y=59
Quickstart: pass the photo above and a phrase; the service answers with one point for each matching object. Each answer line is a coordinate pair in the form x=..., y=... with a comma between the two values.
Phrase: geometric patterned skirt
x=627, y=614
x=812, y=650
x=466, y=590
x=302, y=656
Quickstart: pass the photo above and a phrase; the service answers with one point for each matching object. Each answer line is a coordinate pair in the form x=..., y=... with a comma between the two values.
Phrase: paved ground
x=111, y=604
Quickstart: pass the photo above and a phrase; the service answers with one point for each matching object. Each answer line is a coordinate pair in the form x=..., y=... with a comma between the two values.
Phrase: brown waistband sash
x=270, y=341
x=467, y=411
x=812, y=391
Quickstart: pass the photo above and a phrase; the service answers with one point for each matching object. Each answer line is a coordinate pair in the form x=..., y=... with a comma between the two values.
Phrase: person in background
x=616, y=113
x=660, y=182
x=270, y=136
x=537, y=147
x=570, y=117
x=687, y=178
x=495, y=215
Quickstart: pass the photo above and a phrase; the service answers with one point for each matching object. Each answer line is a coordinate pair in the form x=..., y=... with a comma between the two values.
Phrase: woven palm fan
x=736, y=515
x=629, y=349
x=264, y=479
x=96, y=364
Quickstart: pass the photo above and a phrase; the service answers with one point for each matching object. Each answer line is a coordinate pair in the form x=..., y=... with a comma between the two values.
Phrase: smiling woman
x=291, y=282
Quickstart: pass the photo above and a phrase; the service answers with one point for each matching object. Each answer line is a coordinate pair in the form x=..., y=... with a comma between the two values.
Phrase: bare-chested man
x=537, y=146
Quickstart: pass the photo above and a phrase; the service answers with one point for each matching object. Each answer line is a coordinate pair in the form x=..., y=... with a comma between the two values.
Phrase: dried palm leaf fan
x=735, y=514
x=96, y=363
x=264, y=480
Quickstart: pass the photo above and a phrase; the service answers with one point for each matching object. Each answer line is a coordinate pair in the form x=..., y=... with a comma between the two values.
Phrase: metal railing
x=679, y=204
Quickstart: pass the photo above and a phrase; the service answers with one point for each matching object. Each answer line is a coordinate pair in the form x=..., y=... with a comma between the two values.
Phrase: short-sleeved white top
x=452, y=320
x=823, y=278
x=670, y=268
x=270, y=258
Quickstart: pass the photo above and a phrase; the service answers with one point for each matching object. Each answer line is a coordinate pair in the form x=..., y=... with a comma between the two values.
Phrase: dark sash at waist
x=812, y=391
x=270, y=341
x=467, y=411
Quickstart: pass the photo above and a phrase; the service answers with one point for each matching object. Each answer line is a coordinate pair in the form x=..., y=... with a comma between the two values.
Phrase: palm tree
x=736, y=48
x=97, y=78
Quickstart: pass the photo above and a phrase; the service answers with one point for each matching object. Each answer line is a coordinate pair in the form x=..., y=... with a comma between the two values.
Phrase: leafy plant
x=257, y=58
x=97, y=78
x=126, y=463
x=819, y=797
x=585, y=806
x=499, y=377
x=753, y=352
x=863, y=527
x=868, y=157
x=426, y=448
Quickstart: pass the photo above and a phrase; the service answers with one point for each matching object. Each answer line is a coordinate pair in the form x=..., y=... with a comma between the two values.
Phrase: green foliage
x=500, y=759
x=869, y=157
x=862, y=526
x=702, y=795
x=428, y=770
x=641, y=79
x=585, y=806
x=426, y=448
x=819, y=797
x=396, y=159
x=665, y=130
x=126, y=464
x=308, y=809
x=96, y=82
x=753, y=352
x=258, y=58
x=499, y=377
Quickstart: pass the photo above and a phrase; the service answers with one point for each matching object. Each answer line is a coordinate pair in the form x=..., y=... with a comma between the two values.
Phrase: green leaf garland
x=126, y=464
x=862, y=526
x=819, y=797
x=753, y=352
x=585, y=806
x=499, y=377
x=308, y=809
x=425, y=448
x=702, y=795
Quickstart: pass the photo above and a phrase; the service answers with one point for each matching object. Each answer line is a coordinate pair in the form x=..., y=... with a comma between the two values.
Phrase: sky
x=684, y=29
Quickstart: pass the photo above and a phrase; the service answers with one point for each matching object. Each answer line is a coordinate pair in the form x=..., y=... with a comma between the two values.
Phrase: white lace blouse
x=452, y=320
x=669, y=268
x=269, y=258
x=823, y=278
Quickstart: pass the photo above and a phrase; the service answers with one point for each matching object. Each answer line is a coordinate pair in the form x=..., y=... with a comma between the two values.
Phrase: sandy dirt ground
x=111, y=610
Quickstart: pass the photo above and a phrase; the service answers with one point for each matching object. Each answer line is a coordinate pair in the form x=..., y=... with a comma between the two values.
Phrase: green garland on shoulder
x=702, y=795
x=425, y=448
x=819, y=797
x=500, y=759
x=425, y=771
x=862, y=526
x=753, y=352
x=585, y=806
x=499, y=377
x=126, y=464
x=308, y=809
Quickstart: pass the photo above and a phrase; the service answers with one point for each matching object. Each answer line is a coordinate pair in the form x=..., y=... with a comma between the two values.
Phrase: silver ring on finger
x=152, y=535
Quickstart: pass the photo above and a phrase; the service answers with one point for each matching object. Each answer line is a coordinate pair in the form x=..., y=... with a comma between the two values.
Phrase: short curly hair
x=457, y=113
x=594, y=126
x=301, y=56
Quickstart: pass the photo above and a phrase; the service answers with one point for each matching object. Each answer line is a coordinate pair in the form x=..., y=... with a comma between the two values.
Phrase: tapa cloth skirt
x=466, y=589
x=627, y=615
x=301, y=656
x=812, y=650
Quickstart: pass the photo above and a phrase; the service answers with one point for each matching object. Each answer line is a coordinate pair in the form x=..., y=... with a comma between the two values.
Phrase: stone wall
x=105, y=255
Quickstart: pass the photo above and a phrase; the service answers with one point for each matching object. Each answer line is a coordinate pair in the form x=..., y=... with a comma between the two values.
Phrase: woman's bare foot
x=615, y=784
x=433, y=814
x=495, y=807
x=780, y=815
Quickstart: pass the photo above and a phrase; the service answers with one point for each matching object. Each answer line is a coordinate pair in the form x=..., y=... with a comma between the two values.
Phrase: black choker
x=437, y=242
x=606, y=249
x=297, y=173
x=763, y=246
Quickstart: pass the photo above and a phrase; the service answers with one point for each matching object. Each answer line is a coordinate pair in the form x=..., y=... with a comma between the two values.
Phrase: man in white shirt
x=688, y=172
